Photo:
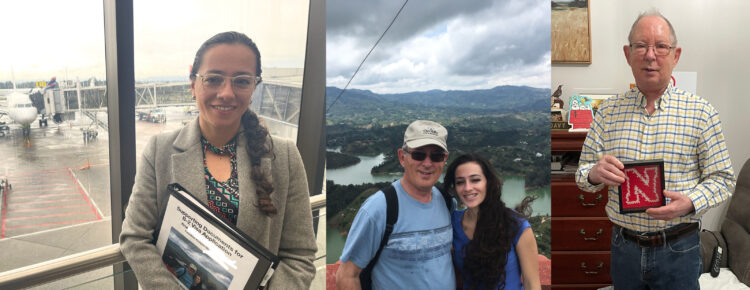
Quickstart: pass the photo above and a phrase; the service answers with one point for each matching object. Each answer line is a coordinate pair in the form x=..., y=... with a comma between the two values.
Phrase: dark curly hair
x=496, y=229
x=259, y=142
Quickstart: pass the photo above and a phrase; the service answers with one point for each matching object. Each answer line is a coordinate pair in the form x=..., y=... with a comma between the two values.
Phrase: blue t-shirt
x=460, y=240
x=184, y=277
x=418, y=253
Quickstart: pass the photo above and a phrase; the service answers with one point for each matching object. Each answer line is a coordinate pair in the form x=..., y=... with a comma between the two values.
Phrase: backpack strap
x=391, y=201
x=184, y=271
x=448, y=200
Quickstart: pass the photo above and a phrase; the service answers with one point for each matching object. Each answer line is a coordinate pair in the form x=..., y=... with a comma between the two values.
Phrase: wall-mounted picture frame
x=643, y=187
x=571, y=31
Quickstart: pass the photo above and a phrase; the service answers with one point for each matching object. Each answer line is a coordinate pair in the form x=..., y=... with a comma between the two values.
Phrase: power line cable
x=368, y=54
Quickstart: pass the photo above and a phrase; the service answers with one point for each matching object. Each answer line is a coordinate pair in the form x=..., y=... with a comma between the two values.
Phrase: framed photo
x=571, y=32
x=643, y=187
x=596, y=100
x=557, y=116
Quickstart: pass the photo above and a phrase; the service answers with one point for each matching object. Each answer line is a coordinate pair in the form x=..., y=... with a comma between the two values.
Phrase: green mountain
x=382, y=108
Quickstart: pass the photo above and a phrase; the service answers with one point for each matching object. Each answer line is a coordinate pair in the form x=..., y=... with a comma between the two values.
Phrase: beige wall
x=713, y=37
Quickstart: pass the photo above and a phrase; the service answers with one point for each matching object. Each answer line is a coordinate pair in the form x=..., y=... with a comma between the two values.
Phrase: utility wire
x=368, y=54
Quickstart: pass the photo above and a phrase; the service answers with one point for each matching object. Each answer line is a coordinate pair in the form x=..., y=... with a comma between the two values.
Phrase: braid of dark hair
x=259, y=143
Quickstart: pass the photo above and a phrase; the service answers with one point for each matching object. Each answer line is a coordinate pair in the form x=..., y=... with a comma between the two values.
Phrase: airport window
x=67, y=149
x=165, y=50
x=54, y=147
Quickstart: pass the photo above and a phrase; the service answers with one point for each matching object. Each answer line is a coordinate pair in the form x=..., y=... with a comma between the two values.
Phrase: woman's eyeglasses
x=242, y=84
x=419, y=155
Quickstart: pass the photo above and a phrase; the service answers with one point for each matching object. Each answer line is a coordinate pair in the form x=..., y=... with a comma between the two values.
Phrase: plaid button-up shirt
x=684, y=130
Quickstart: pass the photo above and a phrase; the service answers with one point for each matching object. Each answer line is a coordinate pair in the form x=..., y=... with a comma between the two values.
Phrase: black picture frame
x=654, y=191
x=266, y=260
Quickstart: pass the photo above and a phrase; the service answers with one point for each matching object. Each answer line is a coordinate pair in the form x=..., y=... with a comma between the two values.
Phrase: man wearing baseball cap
x=416, y=254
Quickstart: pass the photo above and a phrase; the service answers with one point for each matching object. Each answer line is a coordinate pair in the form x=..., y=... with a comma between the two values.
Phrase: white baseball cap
x=421, y=133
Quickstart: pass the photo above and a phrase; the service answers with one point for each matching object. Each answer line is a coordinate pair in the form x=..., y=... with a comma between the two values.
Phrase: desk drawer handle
x=598, y=267
x=594, y=238
x=596, y=200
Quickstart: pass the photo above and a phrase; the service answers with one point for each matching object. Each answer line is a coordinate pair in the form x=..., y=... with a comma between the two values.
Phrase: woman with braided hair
x=493, y=246
x=228, y=160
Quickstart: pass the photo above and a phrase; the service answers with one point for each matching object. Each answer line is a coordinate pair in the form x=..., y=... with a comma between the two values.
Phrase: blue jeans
x=674, y=265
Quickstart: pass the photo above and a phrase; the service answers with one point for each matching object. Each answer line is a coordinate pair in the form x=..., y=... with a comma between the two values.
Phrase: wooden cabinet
x=587, y=267
x=569, y=201
x=581, y=231
x=573, y=234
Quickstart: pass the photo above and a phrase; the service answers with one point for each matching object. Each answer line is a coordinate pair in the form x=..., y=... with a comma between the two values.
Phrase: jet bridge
x=56, y=105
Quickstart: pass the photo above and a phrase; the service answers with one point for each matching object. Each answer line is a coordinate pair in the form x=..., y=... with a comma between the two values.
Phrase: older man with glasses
x=414, y=252
x=658, y=248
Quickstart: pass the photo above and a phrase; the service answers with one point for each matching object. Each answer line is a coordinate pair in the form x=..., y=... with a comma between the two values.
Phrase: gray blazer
x=178, y=157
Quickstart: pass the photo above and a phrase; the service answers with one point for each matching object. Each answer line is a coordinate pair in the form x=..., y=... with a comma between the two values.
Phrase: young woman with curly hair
x=494, y=246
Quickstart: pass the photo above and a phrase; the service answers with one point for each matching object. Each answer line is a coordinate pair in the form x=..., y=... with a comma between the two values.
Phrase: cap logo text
x=430, y=131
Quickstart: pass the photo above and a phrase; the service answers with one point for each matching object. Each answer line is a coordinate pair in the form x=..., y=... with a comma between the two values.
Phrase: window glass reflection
x=164, y=51
x=54, y=151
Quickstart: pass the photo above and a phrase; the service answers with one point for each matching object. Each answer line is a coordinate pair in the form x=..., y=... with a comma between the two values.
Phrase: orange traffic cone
x=87, y=166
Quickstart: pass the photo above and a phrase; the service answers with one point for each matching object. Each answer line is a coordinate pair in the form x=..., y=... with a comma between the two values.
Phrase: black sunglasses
x=419, y=155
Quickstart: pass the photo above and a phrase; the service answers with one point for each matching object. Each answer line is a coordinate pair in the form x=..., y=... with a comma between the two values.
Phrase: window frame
x=120, y=73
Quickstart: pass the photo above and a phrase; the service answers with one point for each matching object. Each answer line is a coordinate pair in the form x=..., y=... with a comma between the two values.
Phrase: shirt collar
x=661, y=103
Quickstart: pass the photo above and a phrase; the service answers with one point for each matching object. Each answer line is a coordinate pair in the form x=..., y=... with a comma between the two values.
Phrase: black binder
x=193, y=223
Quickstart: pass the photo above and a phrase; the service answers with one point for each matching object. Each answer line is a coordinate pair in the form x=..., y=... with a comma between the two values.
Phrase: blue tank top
x=460, y=240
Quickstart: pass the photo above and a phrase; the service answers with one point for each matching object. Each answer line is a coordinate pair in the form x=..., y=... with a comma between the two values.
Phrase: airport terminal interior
x=71, y=142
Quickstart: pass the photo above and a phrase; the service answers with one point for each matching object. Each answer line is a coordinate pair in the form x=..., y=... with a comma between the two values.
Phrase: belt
x=656, y=239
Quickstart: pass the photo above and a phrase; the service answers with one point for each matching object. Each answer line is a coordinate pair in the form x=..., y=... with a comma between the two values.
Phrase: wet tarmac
x=59, y=203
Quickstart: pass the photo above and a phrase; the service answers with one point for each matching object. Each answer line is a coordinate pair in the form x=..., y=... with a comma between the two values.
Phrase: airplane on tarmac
x=22, y=111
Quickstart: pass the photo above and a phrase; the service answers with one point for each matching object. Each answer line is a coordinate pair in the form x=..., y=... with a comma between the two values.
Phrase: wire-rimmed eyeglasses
x=660, y=49
x=241, y=84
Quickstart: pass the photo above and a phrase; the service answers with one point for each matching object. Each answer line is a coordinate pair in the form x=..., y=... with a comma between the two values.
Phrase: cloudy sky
x=45, y=38
x=438, y=44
